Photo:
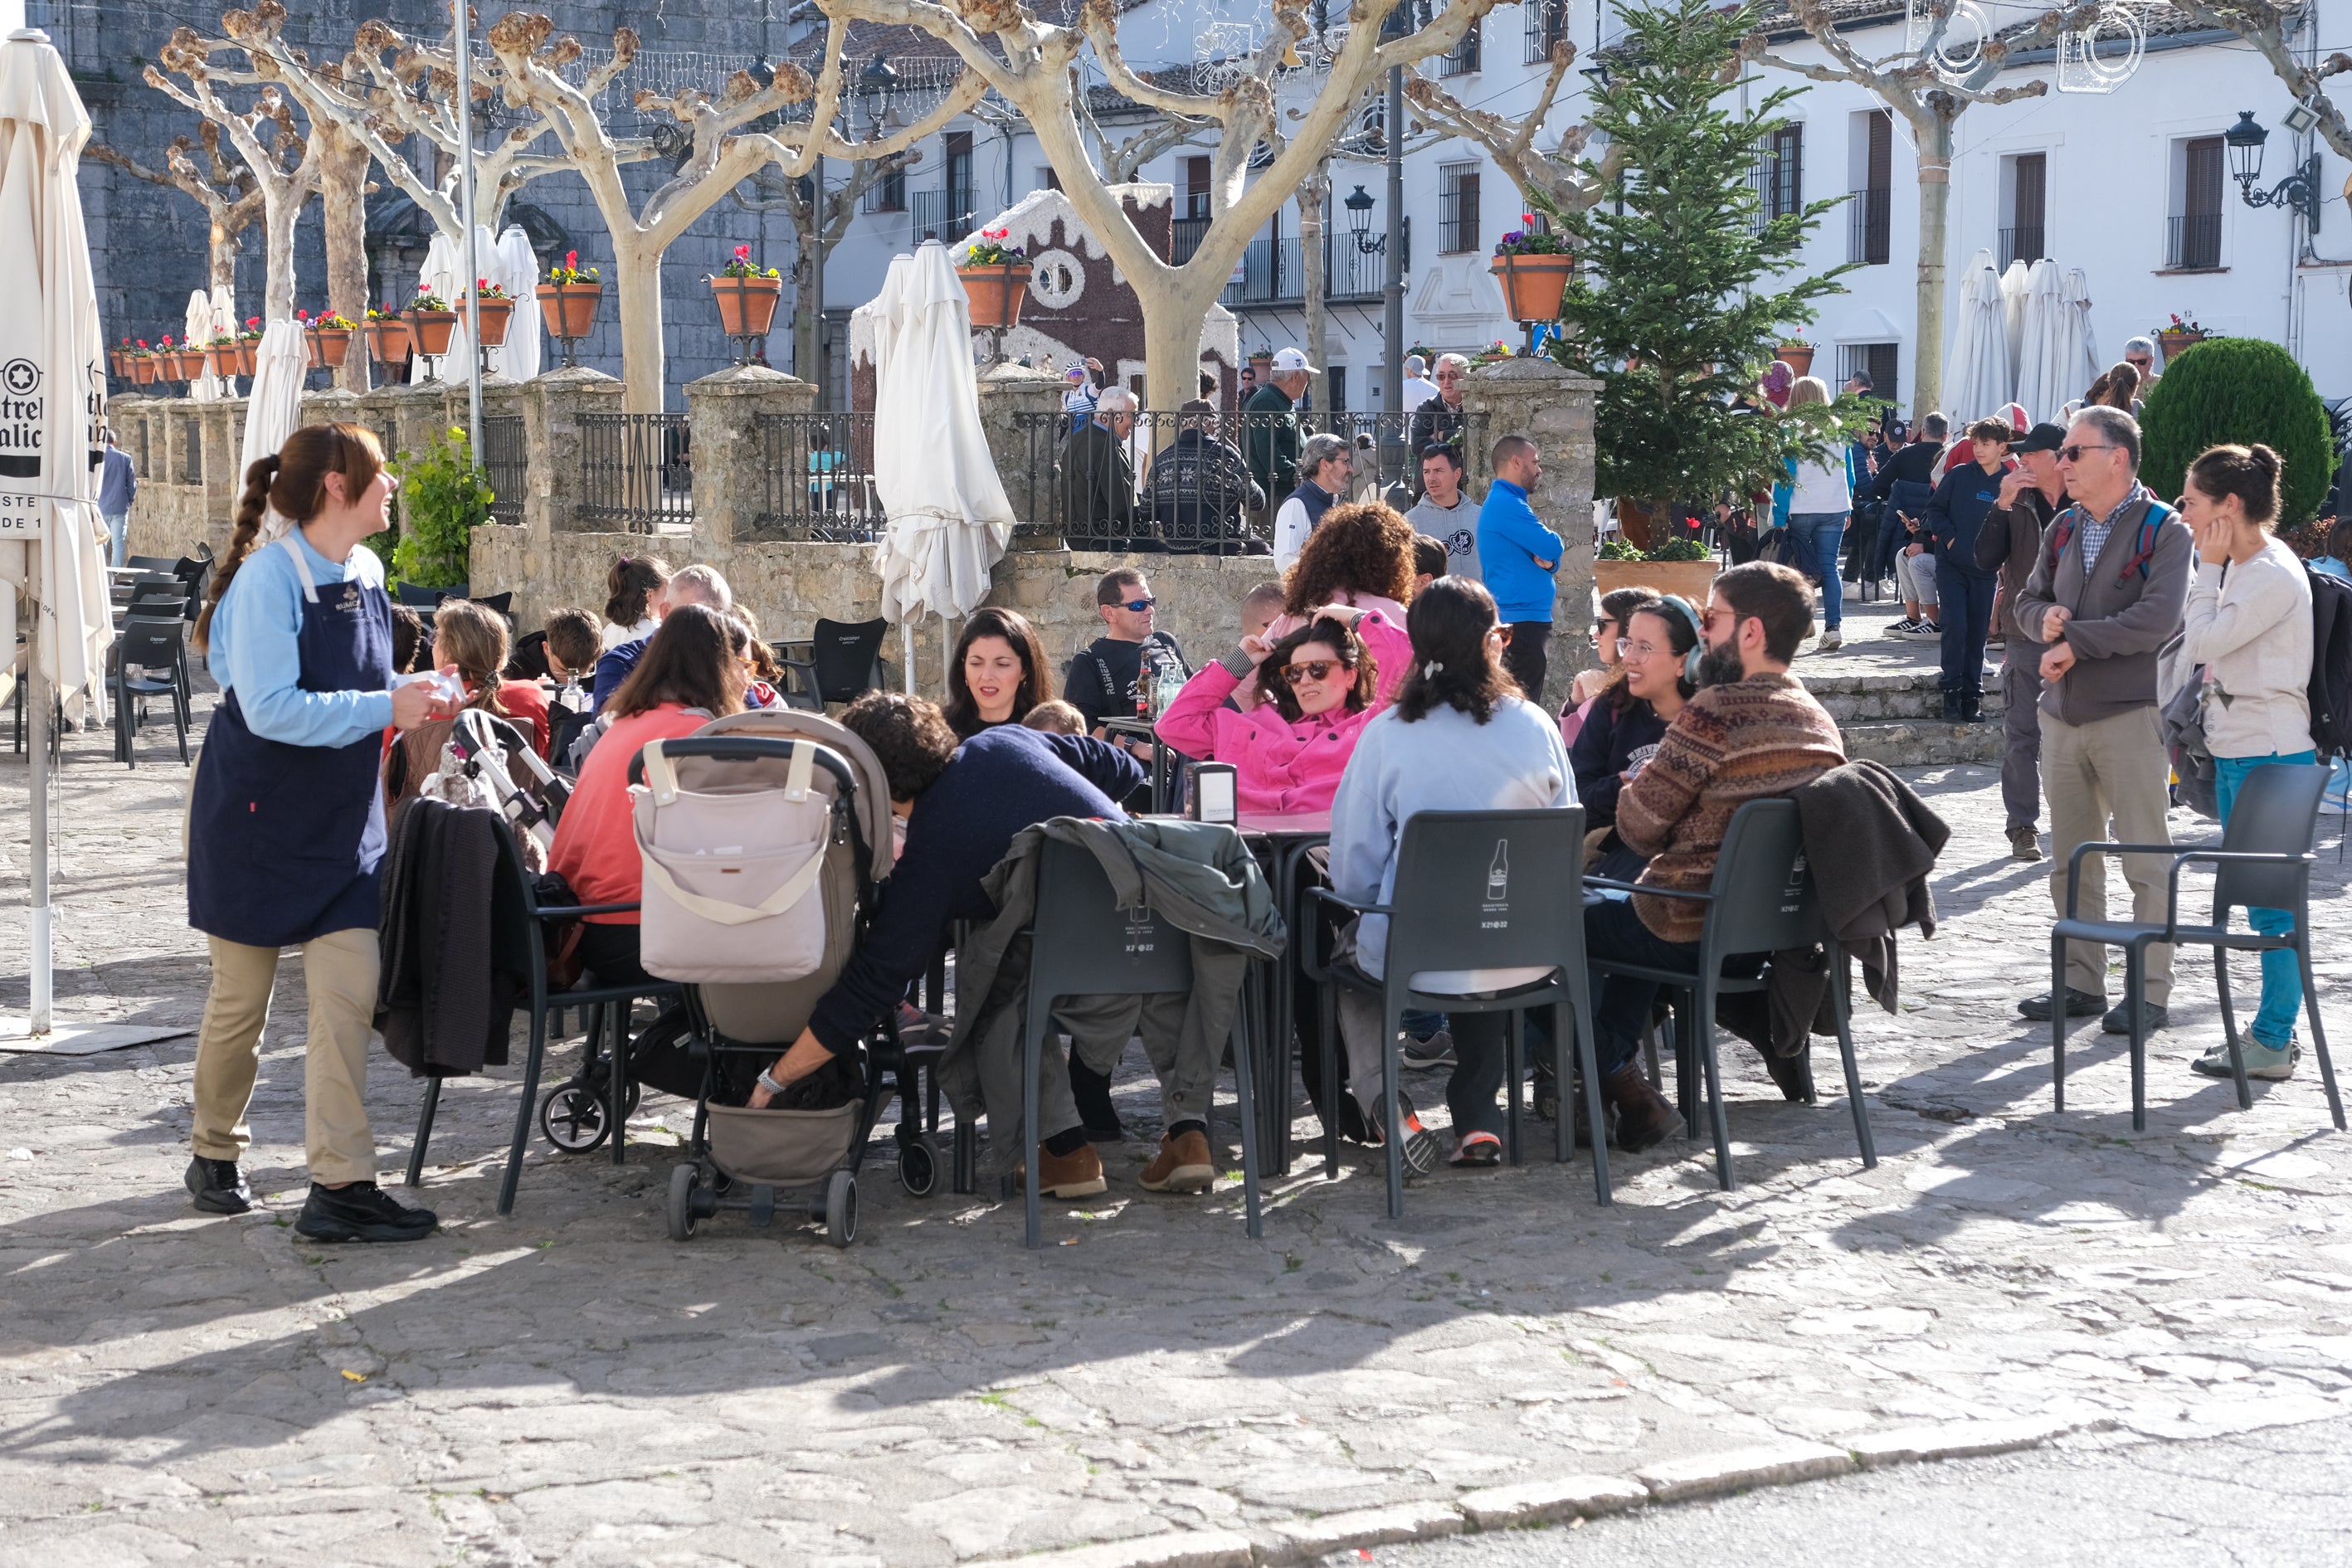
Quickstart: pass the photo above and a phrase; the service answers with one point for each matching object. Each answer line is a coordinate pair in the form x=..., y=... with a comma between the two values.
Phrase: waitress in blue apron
x=286, y=820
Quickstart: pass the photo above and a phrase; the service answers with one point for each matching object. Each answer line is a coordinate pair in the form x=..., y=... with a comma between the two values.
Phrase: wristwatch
x=769, y=1083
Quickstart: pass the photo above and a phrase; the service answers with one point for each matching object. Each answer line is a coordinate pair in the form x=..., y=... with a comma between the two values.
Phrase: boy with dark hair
x=574, y=639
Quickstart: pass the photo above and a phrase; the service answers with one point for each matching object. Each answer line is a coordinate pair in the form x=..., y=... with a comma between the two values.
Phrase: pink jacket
x=1280, y=766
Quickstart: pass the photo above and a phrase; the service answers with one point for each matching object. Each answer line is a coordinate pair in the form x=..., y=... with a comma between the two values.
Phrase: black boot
x=218, y=1186
x=1644, y=1116
x=1971, y=708
x=1951, y=707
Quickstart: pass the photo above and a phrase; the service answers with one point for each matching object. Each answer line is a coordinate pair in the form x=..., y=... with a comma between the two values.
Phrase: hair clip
x=1433, y=667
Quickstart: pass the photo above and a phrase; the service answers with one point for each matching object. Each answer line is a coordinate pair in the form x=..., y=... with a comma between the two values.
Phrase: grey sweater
x=2120, y=619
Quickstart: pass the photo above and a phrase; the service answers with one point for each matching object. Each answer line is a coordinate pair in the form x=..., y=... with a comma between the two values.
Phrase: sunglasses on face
x=1312, y=669
x=2074, y=454
x=1138, y=605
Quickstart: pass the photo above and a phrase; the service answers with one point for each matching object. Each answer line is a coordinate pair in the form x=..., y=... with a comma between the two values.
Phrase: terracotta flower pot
x=118, y=363
x=330, y=347
x=142, y=370
x=495, y=314
x=996, y=292
x=432, y=329
x=187, y=363
x=747, y=305
x=244, y=352
x=387, y=340
x=2173, y=340
x=1798, y=357
x=1532, y=285
x=569, y=308
x=222, y=357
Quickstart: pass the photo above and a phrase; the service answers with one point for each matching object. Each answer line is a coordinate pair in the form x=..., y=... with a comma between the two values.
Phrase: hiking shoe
x=1073, y=1175
x=1419, y=1143
x=1831, y=642
x=1420, y=1056
x=2153, y=1016
x=218, y=1186
x=1184, y=1165
x=2025, y=844
x=360, y=1212
x=2079, y=1004
x=2274, y=1063
x=1645, y=1117
x=1475, y=1150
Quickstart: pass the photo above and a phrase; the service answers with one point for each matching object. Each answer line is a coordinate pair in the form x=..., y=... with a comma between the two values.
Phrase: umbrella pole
x=465, y=98
x=907, y=654
x=36, y=734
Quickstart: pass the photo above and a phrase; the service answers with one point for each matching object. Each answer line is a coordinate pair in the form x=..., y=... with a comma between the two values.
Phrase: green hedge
x=2242, y=390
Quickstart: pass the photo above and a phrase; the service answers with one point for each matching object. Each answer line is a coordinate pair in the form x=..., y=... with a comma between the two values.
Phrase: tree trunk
x=1313, y=193
x=639, y=283
x=1172, y=319
x=1934, y=141
x=343, y=195
x=279, y=216
x=224, y=248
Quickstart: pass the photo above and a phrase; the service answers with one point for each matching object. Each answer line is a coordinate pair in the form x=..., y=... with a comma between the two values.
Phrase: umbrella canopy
x=516, y=270
x=2078, y=354
x=274, y=407
x=2012, y=300
x=197, y=331
x=950, y=519
x=1977, y=380
x=2044, y=380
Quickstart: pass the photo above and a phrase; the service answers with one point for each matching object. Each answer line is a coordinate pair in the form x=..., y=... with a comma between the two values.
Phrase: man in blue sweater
x=962, y=805
x=1518, y=555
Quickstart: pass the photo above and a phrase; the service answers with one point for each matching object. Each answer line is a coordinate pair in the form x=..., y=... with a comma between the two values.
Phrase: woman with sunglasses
x=1285, y=712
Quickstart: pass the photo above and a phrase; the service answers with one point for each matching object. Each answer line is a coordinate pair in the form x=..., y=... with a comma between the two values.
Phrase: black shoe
x=1951, y=707
x=2152, y=1016
x=1971, y=709
x=2079, y=1004
x=360, y=1212
x=218, y=1186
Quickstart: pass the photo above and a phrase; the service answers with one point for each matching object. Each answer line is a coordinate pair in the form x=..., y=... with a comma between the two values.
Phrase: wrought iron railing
x=1870, y=235
x=818, y=472
x=638, y=471
x=945, y=216
x=505, y=461
x=2194, y=242
x=2024, y=243
x=1547, y=25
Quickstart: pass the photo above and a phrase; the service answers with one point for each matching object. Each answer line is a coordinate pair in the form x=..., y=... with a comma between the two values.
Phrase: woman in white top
x=1458, y=738
x=637, y=594
x=2248, y=622
x=1817, y=517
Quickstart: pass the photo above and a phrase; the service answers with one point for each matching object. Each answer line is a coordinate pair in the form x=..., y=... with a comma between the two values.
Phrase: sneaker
x=1073, y=1175
x=1920, y=630
x=2025, y=844
x=917, y=1027
x=1419, y=1143
x=1184, y=1165
x=218, y=1186
x=1420, y=1056
x=1831, y=642
x=2079, y=1004
x=1902, y=627
x=2274, y=1063
x=360, y=1212
x=2152, y=1016
x=1475, y=1150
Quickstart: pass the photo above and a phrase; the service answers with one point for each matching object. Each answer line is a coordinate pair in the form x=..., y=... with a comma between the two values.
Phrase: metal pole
x=465, y=52
x=816, y=226
x=37, y=740
x=1392, y=371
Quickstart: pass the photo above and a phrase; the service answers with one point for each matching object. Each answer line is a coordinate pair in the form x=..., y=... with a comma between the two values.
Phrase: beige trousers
x=2106, y=780
x=339, y=970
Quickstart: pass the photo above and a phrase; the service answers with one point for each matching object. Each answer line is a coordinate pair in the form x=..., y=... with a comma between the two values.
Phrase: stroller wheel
x=683, y=1181
x=919, y=1168
x=841, y=1209
x=573, y=1117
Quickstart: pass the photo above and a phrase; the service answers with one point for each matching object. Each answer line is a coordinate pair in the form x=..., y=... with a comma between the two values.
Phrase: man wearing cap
x=1272, y=432
x=2030, y=496
x=1083, y=385
x=1418, y=388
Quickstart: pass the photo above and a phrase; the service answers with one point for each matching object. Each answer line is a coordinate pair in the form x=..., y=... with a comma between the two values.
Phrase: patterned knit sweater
x=1750, y=740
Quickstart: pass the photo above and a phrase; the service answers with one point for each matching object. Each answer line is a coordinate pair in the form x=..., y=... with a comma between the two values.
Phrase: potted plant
x=430, y=322
x=2183, y=332
x=1680, y=566
x=1532, y=264
x=117, y=359
x=995, y=278
x=142, y=364
x=331, y=341
x=187, y=361
x=387, y=335
x=220, y=353
x=444, y=496
x=747, y=296
x=495, y=307
x=249, y=343
x=1797, y=354
x=567, y=301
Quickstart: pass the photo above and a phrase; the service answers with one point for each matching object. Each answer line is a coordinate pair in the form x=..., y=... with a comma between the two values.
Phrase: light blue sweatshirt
x=1446, y=761
x=254, y=649
x=1511, y=540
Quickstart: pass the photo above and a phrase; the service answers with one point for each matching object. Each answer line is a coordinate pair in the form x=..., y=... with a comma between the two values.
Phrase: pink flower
x=742, y=253
x=301, y=315
x=252, y=321
x=570, y=259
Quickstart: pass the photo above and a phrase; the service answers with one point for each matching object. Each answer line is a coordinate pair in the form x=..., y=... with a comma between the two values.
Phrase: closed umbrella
x=197, y=330
x=1978, y=381
x=274, y=407
x=2012, y=300
x=949, y=521
x=2078, y=352
x=516, y=270
x=2043, y=378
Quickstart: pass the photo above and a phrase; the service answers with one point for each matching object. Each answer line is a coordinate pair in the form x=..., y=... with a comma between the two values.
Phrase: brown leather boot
x=1066, y=1176
x=1184, y=1165
x=1645, y=1117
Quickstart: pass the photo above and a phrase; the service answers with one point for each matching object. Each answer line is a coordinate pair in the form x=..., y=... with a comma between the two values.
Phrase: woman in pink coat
x=1298, y=705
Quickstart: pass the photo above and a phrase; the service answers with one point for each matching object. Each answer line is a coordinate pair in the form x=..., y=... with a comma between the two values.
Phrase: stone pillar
x=223, y=423
x=1553, y=406
x=332, y=407
x=414, y=412
x=552, y=407
x=1023, y=448
x=730, y=455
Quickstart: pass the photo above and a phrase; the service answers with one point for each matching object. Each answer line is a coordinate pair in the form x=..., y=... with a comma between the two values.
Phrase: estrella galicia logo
x=21, y=377
x=20, y=420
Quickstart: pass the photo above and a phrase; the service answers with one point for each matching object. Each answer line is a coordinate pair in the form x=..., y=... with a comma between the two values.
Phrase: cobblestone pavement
x=567, y=1385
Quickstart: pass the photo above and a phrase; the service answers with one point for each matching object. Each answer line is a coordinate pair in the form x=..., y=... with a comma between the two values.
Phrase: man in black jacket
x=1200, y=490
x=2030, y=499
x=1097, y=476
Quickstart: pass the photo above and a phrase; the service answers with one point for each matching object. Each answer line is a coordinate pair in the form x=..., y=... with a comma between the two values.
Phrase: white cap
x=1290, y=361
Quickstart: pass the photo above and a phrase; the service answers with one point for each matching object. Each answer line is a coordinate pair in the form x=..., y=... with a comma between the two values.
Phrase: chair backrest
x=1084, y=944
x=418, y=598
x=1487, y=889
x=529, y=660
x=848, y=659
x=2276, y=812
x=158, y=599
x=1764, y=894
x=153, y=641
x=152, y=563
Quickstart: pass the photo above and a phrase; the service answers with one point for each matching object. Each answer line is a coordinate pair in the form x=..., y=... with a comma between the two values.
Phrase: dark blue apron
x=284, y=840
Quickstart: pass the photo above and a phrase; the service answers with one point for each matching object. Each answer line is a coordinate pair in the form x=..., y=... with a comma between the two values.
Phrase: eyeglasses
x=1138, y=605
x=1627, y=648
x=1312, y=669
x=2074, y=454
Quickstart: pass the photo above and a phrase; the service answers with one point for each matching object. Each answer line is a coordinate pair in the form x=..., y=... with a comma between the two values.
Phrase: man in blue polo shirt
x=1519, y=555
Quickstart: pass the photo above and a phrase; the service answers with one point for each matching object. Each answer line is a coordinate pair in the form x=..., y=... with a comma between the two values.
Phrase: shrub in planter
x=2244, y=390
x=442, y=494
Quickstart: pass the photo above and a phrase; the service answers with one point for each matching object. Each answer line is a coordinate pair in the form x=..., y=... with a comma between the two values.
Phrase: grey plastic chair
x=1083, y=944
x=2264, y=861
x=1760, y=901
x=149, y=645
x=1477, y=890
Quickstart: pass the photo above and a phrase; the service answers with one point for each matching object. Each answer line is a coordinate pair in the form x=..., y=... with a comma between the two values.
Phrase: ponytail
x=292, y=482
x=630, y=586
x=473, y=637
x=251, y=507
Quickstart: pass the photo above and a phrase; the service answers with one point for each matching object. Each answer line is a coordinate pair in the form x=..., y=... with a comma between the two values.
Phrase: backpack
x=2330, y=692
x=2062, y=534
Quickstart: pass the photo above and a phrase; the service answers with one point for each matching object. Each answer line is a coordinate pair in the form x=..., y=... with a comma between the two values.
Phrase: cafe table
x=1288, y=838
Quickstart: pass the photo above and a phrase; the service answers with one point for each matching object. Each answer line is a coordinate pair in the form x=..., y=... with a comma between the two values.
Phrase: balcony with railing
x=2194, y=242
x=1547, y=24
x=2024, y=243
x=1186, y=240
x=944, y=216
x=1870, y=235
x=1274, y=271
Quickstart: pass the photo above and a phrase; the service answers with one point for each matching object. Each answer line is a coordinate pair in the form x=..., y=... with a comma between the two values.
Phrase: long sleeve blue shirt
x=254, y=649
x=1511, y=540
x=118, y=485
x=1956, y=512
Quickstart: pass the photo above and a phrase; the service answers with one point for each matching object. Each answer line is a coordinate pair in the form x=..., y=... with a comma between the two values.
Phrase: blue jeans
x=1420, y=1025
x=1819, y=534
x=118, y=529
x=2282, y=976
x=1966, y=600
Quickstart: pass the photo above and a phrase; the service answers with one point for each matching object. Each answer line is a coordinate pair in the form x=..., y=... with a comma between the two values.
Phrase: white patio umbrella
x=196, y=331
x=2078, y=353
x=516, y=270
x=1976, y=380
x=2043, y=378
x=274, y=407
x=2012, y=301
x=950, y=519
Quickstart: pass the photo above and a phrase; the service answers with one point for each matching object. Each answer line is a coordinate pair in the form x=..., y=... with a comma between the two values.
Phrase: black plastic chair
x=529, y=660
x=1081, y=943
x=150, y=563
x=1762, y=900
x=797, y=660
x=844, y=661
x=150, y=644
x=2264, y=861
x=1476, y=890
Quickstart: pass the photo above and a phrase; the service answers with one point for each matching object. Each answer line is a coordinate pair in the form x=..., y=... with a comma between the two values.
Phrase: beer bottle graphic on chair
x=1498, y=875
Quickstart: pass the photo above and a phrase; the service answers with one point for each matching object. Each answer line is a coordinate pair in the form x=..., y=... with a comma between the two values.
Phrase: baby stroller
x=715, y=814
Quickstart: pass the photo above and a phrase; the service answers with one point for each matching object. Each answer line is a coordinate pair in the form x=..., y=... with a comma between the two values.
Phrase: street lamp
x=2299, y=192
x=1360, y=222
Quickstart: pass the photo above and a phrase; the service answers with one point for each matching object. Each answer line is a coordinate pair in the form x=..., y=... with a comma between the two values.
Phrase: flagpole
x=465, y=52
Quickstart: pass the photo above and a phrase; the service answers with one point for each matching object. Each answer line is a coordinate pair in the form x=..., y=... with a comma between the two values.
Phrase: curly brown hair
x=1363, y=547
x=908, y=735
